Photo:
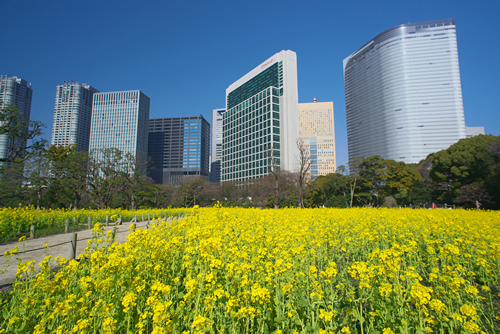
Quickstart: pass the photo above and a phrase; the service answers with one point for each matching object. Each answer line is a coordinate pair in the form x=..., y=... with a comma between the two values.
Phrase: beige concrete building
x=317, y=131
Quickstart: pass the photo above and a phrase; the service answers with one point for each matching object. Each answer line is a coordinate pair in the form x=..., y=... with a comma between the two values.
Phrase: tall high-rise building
x=72, y=115
x=403, y=93
x=14, y=91
x=120, y=120
x=261, y=120
x=317, y=133
x=216, y=149
x=178, y=147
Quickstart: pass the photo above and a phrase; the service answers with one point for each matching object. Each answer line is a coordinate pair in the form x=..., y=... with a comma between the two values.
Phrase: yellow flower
x=200, y=323
x=327, y=316
x=129, y=301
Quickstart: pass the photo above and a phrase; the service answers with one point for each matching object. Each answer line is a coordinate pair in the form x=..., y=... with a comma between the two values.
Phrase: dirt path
x=59, y=245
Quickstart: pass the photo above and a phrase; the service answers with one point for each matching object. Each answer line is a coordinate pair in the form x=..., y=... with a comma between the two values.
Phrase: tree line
x=62, y=177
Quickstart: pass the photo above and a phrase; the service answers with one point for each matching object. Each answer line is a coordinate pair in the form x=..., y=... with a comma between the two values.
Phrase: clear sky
x=184, y=54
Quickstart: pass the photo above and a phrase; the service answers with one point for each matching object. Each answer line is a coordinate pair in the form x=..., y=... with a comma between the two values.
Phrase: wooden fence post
x=66, y=227
x=143, y=217
x=114, y=232
x=72, y=246
x=107, y=220
x=32, y=232
x=121, y=220
x=90, y=223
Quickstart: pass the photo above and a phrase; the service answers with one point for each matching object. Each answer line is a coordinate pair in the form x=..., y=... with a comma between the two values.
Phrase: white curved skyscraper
x=403, y=93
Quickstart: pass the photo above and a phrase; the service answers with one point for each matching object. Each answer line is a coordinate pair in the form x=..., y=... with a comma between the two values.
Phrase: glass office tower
x=120, y=120
x=14, y=91
x=261, y=120
x=178, y=147
x=216, y=149
x=72, y=115
x=403, y=93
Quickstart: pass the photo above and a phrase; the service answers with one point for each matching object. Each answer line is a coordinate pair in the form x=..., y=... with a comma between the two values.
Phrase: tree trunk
x=77, y=200
x=276, y=187
x=132, y=203
x=38, y=196
x=353, y=187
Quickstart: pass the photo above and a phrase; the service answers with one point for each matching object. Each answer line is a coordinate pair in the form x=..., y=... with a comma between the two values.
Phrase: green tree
x=381, y=178
x=354, y=170
x=469, y=161
x=36, y=177
x=11, y=185
x=135, y=182
x=190, y=190
x=330, y=190
x=69, y=171
x=22, y=135
x=336, y=189
x=105, y=174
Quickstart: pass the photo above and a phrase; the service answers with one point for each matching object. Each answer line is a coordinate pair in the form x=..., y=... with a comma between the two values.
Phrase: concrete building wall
x=317, y=132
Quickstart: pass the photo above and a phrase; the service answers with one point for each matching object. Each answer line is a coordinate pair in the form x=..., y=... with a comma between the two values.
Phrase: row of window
x=272, y=76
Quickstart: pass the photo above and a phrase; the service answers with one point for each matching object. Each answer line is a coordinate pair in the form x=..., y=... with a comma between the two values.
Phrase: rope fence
x=74, y=236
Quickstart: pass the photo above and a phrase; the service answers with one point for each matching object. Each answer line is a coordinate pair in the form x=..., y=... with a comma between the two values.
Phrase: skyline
x=184, y=56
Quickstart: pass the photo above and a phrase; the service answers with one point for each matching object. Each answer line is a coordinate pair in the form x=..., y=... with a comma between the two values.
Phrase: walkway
x=34, y=250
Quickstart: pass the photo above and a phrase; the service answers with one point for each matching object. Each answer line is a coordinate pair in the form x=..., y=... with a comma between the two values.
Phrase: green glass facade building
x=260, y=126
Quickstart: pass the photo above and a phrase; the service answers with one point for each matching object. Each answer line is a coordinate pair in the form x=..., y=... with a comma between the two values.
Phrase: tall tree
x=274, y=170
x=468, y=161
x=330, y=190
x=190, y=190
x=134, y=177
x=22, y=135
x=36, y=176
x=304, y=173
x=105, y=174
x=69, y=169
x=385, y=178
x=354, y=169
x=11, y=185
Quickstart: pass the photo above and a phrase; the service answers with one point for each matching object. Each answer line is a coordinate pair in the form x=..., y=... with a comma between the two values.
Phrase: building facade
x=260, y=125
x=216, y=145
x=471, y=131
x=120, y=120
x=72, y=115
x=317, y=133
x=403, y=93
x=14, y=91
x=178, y=147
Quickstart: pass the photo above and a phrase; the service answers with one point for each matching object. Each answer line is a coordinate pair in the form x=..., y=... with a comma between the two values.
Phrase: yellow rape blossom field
x=15, y=222
x=230, y=270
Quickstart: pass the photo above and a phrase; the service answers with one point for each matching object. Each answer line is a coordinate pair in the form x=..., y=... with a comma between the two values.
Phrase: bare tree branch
x=304, y=173
x=20, y=131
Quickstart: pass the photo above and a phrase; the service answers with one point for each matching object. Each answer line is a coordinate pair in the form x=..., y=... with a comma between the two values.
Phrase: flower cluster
x=230, y=270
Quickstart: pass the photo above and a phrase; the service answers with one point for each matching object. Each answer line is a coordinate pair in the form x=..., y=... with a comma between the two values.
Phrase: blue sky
x=184, y=54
